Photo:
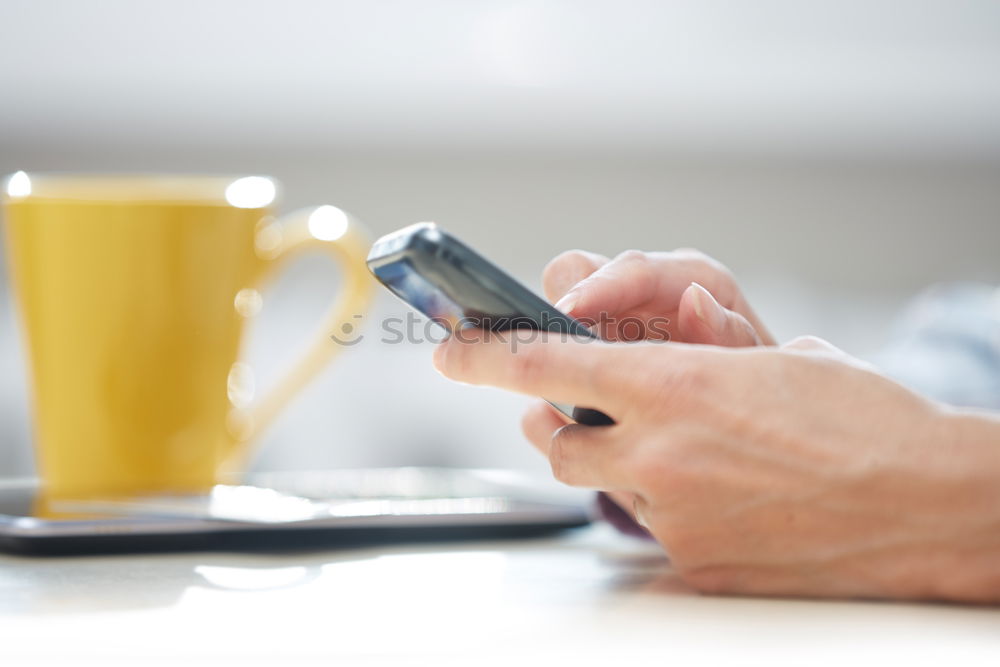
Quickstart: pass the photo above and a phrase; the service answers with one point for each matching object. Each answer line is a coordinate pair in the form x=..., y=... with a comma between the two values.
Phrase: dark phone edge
x=422, y=250
x=274, y=541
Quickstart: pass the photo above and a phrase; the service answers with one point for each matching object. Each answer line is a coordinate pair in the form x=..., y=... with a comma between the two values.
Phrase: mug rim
x=240, y=191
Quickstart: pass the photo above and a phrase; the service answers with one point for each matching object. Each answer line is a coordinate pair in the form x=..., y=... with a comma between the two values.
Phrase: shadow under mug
x=134, y=294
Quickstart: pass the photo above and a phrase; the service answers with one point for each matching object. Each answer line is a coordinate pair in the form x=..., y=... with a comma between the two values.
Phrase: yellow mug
x=134, y=293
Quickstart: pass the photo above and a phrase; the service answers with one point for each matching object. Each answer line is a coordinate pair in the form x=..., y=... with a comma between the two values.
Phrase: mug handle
x=331, y=231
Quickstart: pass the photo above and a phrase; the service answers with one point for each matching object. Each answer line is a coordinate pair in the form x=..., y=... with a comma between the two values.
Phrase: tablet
x=280, y=511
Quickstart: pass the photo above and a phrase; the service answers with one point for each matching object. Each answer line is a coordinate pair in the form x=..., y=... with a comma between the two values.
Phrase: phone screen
x=414, y=289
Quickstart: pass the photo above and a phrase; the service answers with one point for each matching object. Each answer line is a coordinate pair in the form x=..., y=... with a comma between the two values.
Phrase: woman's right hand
x=683, y=295
x=781, y=471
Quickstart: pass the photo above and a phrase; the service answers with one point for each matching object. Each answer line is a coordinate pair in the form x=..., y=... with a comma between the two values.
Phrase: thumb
x=702, y=320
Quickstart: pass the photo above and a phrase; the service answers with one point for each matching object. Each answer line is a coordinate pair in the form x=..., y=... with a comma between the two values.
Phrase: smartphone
x=456, y=287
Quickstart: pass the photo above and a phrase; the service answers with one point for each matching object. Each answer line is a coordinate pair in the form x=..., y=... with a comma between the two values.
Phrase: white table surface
x=586, y=597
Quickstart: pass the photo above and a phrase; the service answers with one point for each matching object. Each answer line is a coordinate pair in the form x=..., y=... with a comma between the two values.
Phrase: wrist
x=969, y=497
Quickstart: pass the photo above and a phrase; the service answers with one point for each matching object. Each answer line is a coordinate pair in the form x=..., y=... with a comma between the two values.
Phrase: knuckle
x=632, y=256
x=571, y=265
x=706, y=263
x=808, y=342
x=569, y=259
x=692, y=253
x=698, y=257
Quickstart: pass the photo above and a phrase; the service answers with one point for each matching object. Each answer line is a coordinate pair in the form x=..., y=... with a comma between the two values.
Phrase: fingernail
x=567, y=303
x=637, y=514
x=708, y=309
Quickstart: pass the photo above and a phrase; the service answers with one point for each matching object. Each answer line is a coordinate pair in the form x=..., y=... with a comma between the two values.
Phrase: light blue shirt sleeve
x=947, y=345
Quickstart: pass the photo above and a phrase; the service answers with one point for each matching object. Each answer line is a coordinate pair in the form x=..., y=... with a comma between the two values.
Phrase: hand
x=697, y=294
x=792, y=471
x=630, y=295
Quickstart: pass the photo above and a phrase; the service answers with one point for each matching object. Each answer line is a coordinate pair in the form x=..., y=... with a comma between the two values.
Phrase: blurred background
x=838, y=156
